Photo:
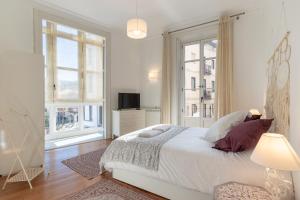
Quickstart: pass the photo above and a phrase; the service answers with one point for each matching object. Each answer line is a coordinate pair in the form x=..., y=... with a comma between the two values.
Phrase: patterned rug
x=86, y=165
x=107, y=189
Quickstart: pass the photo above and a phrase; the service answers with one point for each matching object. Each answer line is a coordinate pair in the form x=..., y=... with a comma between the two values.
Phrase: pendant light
x=136, y=27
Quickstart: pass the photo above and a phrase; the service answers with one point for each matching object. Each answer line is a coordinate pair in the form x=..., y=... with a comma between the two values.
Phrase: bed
x=189, y=168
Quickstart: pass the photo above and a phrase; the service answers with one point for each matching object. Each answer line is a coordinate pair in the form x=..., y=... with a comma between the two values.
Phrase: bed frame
x=159, y=187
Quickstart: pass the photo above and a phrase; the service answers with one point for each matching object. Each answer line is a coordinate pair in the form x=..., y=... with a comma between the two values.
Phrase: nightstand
x=239, y=191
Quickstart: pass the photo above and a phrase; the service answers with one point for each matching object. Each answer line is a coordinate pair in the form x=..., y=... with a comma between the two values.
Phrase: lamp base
x=279, y=184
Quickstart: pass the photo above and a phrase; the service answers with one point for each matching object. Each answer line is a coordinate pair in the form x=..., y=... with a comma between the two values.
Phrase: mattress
x=189, y=161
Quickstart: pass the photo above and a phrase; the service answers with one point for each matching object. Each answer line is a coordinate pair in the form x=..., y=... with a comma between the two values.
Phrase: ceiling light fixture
x=136, y=27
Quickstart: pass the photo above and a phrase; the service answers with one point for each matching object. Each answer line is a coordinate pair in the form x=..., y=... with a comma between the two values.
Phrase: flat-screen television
x=129, y=101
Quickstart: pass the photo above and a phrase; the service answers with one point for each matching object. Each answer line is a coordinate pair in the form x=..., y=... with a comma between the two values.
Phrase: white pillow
x=221, y=127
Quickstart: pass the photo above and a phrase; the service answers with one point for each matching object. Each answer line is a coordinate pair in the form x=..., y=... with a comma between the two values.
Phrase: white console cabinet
x=126, y=121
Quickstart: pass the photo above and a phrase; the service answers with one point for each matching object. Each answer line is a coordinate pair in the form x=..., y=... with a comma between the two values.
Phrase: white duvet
x=189, y=161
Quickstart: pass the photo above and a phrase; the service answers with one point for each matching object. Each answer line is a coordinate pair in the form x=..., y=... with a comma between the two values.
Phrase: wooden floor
x=61, y=180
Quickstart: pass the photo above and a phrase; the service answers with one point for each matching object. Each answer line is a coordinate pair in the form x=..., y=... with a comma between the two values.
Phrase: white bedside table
x=239, y=191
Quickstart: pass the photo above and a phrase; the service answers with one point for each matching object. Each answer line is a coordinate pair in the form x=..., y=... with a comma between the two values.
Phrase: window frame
x=182, y=88
x=52, y=34
x=194, y=109
x=193, y=83
x=90, y=27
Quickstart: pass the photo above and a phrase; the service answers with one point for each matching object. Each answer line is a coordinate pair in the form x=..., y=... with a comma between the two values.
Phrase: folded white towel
x=150, y=133
x=162, y=128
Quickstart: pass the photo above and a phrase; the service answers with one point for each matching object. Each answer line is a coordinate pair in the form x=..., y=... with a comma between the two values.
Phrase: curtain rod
x=205, y=23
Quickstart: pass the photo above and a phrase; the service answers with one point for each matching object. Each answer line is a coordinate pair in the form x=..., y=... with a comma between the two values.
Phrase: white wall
x=125, y=66
x=150, y=72
x=249, y=84
x=16, y=22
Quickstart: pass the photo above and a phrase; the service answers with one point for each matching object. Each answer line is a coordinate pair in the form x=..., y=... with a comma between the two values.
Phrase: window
x=194, y=109
x=74, y=79
x=193, y=56
x=47, y=122
x=193, y=83
x=199, y=58
x=88, y=113
x=92, y=116
x=67, y=118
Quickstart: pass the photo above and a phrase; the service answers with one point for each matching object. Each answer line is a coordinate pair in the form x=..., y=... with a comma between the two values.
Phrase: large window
x=198, y=85
x=74, y=80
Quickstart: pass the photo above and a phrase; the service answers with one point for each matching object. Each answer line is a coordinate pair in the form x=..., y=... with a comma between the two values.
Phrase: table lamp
x=274, y=152
x=254, y=111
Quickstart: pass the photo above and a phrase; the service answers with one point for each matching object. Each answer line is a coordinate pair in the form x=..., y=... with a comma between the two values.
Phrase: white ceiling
x=159, y=14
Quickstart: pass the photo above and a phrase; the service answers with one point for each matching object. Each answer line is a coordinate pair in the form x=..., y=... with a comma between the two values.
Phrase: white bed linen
x=189, y=161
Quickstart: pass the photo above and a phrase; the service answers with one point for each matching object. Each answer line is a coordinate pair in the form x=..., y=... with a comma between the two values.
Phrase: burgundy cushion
x=252, y=117
x=243, y=136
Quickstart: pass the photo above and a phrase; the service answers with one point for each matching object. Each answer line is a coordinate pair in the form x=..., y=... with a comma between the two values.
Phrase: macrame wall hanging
x=278, y=89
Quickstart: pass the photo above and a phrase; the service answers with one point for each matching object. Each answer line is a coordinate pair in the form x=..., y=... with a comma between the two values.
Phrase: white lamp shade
x=274, y=151
x=136, y=28
x=254, y=112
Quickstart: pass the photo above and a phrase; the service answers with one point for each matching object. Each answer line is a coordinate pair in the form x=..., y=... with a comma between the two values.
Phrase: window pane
x=93, y=116
x=67, y=53
x=192, y=52
x=67, y=119
x=94, y=37
x=47, y=121
x=191, y=97
x=94, y=57
x=45, y=47
x=66, y=29
x=210, y=49
x=44, y=23
x=94, y=86
x=192, y=69
x=210, y=67
x=46, y=76
x=208, y=110
x=67, y=84
x=46, y=85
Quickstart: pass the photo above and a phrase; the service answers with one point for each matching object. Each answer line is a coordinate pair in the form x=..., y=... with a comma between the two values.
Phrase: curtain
x=224, y=71
x=165, y=104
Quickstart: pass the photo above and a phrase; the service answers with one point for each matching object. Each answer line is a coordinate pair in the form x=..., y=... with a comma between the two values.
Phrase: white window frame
x=80, y=24
x=182, y=75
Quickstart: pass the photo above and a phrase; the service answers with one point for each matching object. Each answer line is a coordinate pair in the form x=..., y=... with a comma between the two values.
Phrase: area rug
x=86, y=165
x=107, y=189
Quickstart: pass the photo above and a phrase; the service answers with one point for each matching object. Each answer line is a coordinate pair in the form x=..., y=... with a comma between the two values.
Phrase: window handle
x=54, y=86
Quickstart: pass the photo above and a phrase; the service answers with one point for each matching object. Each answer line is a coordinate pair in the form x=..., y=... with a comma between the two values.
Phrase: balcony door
x=198, y=83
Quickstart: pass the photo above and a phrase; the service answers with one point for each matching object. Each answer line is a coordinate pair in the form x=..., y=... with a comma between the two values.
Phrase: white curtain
x=224, y=71
x=165, y=105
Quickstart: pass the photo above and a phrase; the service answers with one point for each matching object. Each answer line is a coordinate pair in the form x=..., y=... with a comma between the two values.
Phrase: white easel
x=26, y=174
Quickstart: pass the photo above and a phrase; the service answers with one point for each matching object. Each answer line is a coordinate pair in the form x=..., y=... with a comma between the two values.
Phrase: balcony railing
x=207, y=71
x=208, y=110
